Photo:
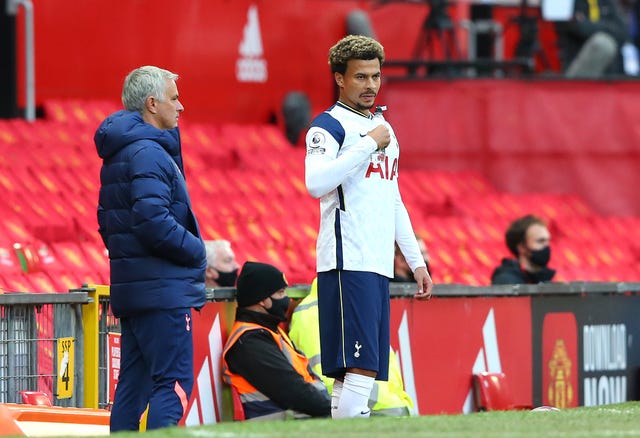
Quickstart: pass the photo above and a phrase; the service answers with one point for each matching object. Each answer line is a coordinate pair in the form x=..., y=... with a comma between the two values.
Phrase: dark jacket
x=509, y=272
x=257, y=358
x=156, y=253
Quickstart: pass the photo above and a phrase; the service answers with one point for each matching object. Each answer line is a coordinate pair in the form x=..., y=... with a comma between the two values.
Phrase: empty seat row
x=247, y=185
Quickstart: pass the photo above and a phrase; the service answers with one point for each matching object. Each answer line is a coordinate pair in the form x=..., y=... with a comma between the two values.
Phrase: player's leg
x=169, y=351
x=330, y=325
x=336, y=393
x=384, y=337
x=363, y=310
x=134, y=383
x=356, y=390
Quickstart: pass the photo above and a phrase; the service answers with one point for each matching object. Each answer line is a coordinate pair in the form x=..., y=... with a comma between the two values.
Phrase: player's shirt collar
x=347, y=107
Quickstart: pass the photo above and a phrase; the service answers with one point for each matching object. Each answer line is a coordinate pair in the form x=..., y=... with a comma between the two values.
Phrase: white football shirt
x=361, y=210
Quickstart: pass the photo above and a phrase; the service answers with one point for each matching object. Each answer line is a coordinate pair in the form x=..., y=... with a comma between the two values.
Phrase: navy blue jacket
x=156, y=253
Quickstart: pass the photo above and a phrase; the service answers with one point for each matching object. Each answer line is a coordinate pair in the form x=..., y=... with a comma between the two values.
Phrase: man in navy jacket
x=156, y=253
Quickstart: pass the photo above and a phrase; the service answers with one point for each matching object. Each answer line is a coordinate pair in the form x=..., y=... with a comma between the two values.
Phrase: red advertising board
x=113, y=363
x=210, y=328
x=447, y=340
x=440, y=344
x=562, y=351
x=560, y=360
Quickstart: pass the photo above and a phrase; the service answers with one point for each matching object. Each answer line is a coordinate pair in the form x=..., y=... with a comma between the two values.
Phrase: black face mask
x=279, y=307
x=541, y=257
x=227, y=279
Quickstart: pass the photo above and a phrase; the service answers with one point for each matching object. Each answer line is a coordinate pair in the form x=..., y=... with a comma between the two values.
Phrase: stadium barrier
x=22, y=419
x=560, y=344
x=41, y=341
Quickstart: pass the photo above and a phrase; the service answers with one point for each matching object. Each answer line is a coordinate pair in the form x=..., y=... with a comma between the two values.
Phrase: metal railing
x=32, y=357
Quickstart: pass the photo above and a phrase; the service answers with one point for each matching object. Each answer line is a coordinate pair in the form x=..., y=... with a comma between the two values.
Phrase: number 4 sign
x=66, y=369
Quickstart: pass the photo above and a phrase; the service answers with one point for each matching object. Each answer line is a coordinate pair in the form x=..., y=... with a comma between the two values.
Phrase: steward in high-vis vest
x=387, y=397
x=273, y=379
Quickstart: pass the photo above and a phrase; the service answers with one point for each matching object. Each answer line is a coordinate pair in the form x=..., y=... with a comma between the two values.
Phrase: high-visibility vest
x=256, y=405
x=387, y=397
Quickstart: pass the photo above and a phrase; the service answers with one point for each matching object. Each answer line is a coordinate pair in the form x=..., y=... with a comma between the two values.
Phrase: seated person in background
x=222, y=267
x=260, y=361
x=387, y=397
x=401, y=270
x=528, y=240
x=590, y=41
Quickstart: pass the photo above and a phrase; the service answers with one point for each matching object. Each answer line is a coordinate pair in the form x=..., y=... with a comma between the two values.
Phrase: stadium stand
x=247, y=185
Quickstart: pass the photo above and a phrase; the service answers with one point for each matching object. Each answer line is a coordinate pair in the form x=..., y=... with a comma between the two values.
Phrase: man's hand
x=425, y=284
x=381, y=135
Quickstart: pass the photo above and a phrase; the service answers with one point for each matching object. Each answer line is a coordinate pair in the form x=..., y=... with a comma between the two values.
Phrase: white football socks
x=354, y=397
x=335, y=395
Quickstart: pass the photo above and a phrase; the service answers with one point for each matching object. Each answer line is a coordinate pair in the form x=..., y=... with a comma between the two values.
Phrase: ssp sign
x=66, y=361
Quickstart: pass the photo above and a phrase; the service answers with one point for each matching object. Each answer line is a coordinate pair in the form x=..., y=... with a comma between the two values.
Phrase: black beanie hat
x=258, y=281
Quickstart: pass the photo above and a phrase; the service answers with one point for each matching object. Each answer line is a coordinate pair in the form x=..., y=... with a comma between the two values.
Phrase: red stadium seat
x=36, y=398
x=16, y=282
x=492, y=393
x=247, y=185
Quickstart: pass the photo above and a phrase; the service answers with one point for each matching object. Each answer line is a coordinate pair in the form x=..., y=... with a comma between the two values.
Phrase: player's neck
x=363, y=112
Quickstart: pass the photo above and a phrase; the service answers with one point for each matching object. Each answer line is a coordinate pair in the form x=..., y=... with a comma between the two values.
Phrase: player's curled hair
x=354, y=47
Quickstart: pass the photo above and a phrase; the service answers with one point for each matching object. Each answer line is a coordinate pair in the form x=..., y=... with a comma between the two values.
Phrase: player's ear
x=151, y=104
x=339, y=79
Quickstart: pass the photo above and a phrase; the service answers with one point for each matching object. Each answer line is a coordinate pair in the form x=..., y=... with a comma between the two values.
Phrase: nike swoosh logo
x=363, y=135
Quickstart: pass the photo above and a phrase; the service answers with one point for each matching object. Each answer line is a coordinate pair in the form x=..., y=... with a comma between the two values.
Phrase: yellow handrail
x=91, y=323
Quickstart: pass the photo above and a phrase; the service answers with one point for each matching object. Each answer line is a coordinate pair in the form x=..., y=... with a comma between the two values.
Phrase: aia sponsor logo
x=380, y=167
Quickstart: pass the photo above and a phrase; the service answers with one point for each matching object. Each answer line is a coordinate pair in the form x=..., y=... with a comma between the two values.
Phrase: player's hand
x=425, y=284
x=381, y=135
